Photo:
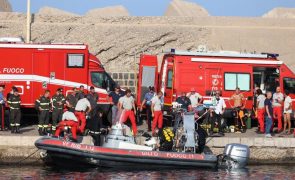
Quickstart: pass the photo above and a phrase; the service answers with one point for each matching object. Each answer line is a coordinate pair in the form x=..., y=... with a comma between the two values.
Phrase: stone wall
x=125, y=79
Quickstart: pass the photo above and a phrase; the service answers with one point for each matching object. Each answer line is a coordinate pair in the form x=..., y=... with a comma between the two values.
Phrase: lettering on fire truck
x=13, y=70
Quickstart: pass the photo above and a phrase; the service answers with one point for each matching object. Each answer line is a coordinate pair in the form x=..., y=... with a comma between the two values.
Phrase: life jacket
x=168, y=134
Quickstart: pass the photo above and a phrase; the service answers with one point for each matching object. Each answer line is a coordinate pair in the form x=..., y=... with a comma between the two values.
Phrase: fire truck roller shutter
x=148, y=79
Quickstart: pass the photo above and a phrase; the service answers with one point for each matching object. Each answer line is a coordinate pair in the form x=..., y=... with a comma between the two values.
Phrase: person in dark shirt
x=185, y=101
x=93, y=99
x=2, y=106
x=147, y=102
x=71, y=101
x=79, y=93
x=115, y=95
x=268, y=114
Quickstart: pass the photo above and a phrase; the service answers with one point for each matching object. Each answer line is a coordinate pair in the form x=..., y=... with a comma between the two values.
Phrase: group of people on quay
x=74, y=110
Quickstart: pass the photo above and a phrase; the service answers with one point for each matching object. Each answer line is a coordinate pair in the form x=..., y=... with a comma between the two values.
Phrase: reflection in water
x=253, y=172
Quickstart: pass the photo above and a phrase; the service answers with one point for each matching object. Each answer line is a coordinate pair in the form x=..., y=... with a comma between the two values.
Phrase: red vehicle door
x=213, y=80
x=148, y=75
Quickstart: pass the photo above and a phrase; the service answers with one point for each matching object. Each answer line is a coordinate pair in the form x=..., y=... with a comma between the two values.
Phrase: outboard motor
x=235, y=156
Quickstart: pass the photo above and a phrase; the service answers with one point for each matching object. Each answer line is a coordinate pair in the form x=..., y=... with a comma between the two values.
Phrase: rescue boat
x=120, y=151
x=60, y=152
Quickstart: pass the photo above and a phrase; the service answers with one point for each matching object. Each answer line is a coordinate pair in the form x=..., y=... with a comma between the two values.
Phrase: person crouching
x=82, y=108
x=68, y=119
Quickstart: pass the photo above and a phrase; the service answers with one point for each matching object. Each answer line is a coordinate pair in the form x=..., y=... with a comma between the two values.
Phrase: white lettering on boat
x=78, y=146
x=151, y=153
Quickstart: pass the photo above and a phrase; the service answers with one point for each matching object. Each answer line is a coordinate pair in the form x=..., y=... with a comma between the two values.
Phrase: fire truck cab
x=207, y=72
x=33, y=68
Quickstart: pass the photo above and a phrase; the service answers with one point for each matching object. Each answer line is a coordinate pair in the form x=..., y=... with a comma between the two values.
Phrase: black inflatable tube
x=155, y=161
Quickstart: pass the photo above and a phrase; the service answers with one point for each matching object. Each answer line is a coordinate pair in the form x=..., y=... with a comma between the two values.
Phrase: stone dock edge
x=20, y=150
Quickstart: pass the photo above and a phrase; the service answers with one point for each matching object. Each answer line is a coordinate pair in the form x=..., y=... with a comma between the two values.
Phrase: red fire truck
x=207, y=72
x=33, y=68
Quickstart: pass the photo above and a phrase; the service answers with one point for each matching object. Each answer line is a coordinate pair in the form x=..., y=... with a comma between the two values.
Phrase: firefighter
x=96, y=126
x=127, y=107
x=68, y=119
x=57, y=103
x=43, y=106
x=93, y=99
x=80, y=93
x=71, y=101
x=156, y=107
x=15, y=113
x=165, y=136
x=82, y=109
x=2, y=106
x=147, y=101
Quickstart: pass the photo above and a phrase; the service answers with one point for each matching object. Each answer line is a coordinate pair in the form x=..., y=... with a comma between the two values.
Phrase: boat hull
x=66, y=153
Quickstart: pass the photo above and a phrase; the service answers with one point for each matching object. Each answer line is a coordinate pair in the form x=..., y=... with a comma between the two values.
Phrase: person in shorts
x=287, y=112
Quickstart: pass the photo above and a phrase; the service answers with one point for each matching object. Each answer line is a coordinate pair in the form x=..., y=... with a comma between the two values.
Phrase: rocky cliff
x=118, y=41
x=185, y=8
x=5, y=6
x=280, y=13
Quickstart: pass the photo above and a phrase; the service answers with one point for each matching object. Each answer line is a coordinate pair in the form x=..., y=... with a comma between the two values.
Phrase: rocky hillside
x=5, y=6
x=118, y=39
x=185, y=8
x=280, y=13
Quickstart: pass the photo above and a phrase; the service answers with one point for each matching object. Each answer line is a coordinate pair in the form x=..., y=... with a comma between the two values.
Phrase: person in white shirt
x=157, y=111
x=287, y=112
x=126, y=106
x=260, y=110
x=278, y=98
x=195, y=98
x=68, y=119
x=216, y=114
x=83, y=107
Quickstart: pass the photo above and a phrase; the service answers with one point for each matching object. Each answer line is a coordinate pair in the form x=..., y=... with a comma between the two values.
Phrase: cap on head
x=2, y=85
x=91, y=88
x=193, y=90
x=59, y=90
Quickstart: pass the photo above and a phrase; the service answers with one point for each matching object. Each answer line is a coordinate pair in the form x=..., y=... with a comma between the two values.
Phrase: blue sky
x=249, y=8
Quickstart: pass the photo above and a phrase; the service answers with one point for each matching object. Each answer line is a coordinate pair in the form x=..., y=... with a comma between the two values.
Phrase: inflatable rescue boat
x=119, y=150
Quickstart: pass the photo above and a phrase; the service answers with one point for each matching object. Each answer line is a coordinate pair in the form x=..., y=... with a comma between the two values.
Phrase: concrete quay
x=20, y=149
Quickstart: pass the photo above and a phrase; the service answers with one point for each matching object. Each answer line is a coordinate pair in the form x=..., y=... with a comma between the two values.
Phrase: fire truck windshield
x=102, y=80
